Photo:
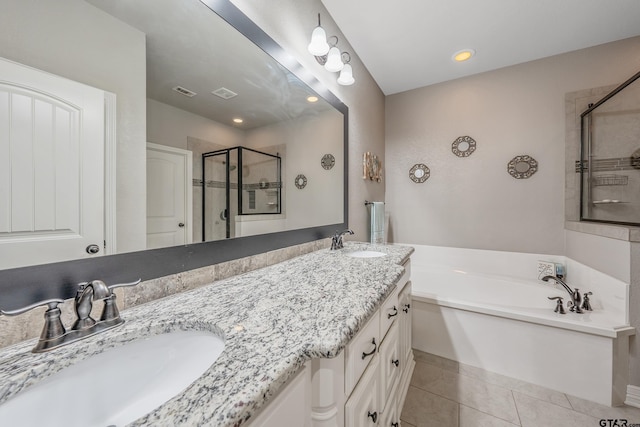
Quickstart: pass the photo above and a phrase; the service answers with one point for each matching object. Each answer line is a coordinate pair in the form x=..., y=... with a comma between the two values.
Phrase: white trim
x=110, y=153
x=633, y=396
x=188, y=191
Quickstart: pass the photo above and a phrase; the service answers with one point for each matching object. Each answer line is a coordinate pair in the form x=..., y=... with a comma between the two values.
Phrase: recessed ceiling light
x=463, y=55
x=238, y=120
x=312, y=98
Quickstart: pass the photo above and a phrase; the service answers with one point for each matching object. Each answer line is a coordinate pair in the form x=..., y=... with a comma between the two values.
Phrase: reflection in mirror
x=188, y=74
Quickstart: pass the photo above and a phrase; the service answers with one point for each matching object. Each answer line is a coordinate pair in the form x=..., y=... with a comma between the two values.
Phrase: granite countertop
x=273, y=320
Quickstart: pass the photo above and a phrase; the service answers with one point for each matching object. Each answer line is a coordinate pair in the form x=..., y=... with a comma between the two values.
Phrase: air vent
x=184, y=91
x=224, y=93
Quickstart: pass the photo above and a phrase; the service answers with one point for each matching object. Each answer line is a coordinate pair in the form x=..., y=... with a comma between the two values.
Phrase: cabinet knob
x=406, y=308
x=395, y=362
x=395, y=424
x=373, y=416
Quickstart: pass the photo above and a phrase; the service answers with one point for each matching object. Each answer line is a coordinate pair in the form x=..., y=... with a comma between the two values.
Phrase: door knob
x=181, y=224
x=93, y=249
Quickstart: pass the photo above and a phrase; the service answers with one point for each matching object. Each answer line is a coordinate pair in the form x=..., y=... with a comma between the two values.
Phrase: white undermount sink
x=117, y=386
x=365, y=254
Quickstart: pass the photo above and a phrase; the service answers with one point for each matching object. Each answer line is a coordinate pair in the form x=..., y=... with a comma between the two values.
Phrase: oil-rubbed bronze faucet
x=54, y=333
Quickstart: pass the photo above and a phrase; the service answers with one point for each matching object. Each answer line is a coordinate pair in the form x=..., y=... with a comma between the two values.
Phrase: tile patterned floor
x=445, y=393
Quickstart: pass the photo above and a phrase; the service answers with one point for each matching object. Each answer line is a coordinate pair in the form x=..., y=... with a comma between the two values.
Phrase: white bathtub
x=505, y=323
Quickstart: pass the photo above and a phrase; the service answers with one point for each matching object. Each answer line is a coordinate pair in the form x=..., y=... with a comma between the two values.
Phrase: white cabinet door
x=169, y=196
x=404, y=300
x=391, y=414
x=51, y=167
x=390, y=366
x=362, y=408
x=290, y=407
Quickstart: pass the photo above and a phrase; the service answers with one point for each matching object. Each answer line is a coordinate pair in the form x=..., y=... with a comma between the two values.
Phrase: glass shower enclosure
x=610, y=157
x=238, y=181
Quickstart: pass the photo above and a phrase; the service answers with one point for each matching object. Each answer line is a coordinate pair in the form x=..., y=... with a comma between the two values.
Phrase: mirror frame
x=23, y=286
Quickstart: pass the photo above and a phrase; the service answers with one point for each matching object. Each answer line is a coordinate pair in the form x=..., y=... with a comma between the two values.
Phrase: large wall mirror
x=204, y=130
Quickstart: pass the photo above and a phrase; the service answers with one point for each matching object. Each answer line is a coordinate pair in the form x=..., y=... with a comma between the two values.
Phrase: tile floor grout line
x=517, y=410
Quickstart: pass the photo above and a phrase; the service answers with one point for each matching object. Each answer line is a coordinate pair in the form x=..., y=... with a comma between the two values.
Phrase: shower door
x=216, y=224
x=610, y=164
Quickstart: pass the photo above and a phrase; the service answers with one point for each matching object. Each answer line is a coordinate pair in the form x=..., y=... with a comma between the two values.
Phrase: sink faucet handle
x=110, y=312
x=53, y=327
x=52, y=303
x=124, y=285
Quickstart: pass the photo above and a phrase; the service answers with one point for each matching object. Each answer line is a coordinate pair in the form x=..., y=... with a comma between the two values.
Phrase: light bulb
x=318, y=45
x=334, y=61
x=346, y=76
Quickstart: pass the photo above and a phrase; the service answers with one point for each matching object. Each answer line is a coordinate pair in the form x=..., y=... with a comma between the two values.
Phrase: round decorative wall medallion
x=522, y=167
x=328, y=161
x=464, y=146
x=301, y=181
x=419, y=173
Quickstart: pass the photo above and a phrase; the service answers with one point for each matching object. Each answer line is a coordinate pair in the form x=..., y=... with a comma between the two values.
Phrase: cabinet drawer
x=389, y=312
x=360, y=351
x=362, y=408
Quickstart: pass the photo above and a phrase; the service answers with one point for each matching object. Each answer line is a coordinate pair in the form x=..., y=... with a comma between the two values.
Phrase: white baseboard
x=633, y=396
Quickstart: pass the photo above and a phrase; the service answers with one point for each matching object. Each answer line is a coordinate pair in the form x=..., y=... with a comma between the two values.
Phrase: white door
x=169, y=196
x=51, y=167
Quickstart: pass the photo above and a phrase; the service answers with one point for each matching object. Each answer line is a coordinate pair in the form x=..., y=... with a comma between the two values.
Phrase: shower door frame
x=226, y=152
x=585, y=164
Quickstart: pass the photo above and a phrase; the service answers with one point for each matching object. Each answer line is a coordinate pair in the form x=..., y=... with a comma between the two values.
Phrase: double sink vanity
x=321, y=339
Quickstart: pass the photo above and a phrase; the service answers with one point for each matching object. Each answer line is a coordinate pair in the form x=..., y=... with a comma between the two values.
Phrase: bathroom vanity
x=322, y=339
x=364, y=385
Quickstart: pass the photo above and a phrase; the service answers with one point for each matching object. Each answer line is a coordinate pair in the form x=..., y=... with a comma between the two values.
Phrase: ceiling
x=406, y=44
x=210, y=55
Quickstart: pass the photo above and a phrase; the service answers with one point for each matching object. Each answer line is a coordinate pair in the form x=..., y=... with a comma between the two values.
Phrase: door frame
x=110, y=245
x=188, y=184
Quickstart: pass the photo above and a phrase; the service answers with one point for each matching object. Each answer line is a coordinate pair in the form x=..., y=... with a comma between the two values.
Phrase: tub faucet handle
x=559, y=307
x=586, y=304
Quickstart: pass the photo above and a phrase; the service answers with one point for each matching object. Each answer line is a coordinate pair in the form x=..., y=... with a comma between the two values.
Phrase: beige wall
x=472, y=202
x=53, y=36
x=290, y=23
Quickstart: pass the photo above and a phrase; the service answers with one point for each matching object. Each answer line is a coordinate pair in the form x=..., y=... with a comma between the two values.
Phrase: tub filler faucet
x=577, y=304
x=336, y=240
